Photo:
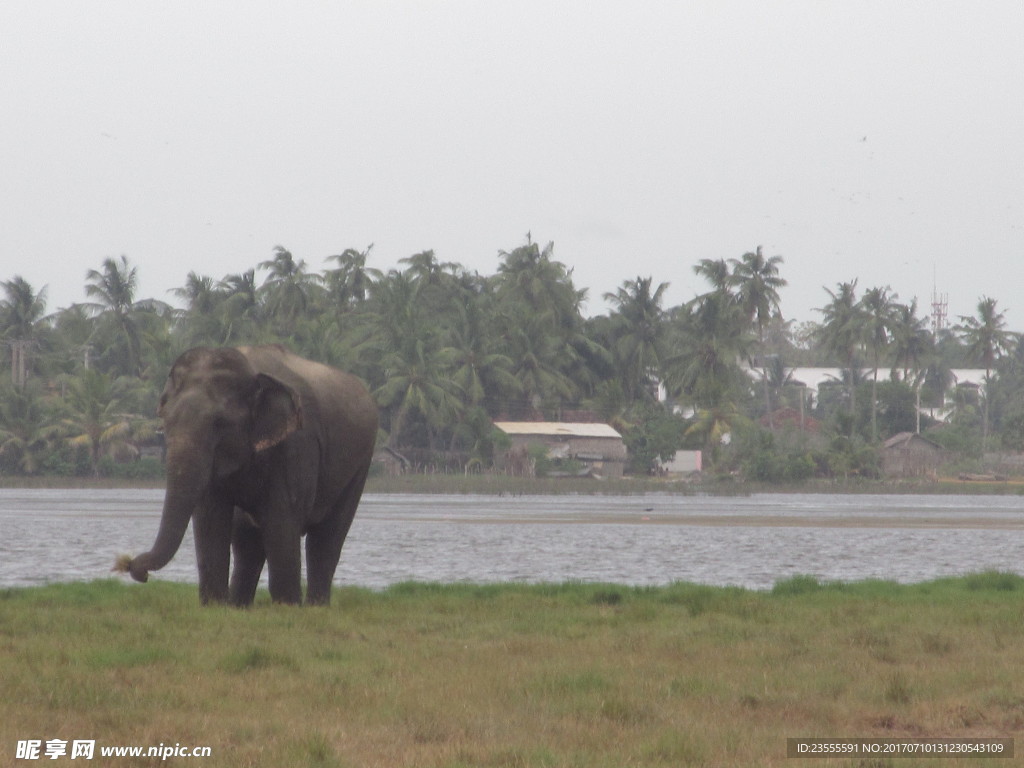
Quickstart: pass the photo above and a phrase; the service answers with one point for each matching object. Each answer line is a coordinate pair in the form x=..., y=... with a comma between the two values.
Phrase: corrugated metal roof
x=906, y=438
x=556, y=429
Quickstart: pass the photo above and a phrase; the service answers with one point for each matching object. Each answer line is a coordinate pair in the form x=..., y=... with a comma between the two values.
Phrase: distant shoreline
x=490, y=485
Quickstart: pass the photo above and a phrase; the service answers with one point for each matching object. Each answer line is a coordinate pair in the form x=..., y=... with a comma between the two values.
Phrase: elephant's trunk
x=187, y=476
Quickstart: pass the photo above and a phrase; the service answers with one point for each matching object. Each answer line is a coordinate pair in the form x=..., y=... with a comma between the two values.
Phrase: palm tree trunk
x=874, y=403
x=984, y=415
x=764, y=376
x=853, y=387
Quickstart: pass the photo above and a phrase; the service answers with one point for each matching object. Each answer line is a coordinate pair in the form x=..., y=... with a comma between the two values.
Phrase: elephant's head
x=217, y=413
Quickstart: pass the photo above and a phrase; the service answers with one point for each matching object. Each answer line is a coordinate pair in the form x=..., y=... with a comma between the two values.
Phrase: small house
x=392, y=462
x=598, y=447
x=791, y=418
x=910, y=455
x=684, y=463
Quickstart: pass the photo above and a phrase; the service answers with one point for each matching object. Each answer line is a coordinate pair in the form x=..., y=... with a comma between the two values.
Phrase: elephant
x=263, y=447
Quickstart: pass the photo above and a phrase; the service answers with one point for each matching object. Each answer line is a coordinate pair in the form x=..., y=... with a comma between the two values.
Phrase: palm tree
x=23, y=430
x=638, y=332
x=712, y=424
x=878, y=314
x=912, y=340
x=241, y=307
x=912, y=344
x=21, y=323
x=716, y=272
x=202, y=309
x=113, y=287
x=481, y=373
x=199, y=293
x=841, y=330
x=539, y=312
x=530, y=276
x=709, y=339
x=401, y=349
x=424, y=267
x=73, y=332
x=288, y=289
x=539, y=360
x=757, y=283
x=393, y=316
x=441, y=287
x=784, y=388
x=937, y=380
x=97, y=416
x=987, y=341
x=416, y=383
x=985, y=335
x=350, y=282
x=324, y=339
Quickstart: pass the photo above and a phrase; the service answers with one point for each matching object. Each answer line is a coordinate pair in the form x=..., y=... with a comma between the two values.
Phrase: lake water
x=755, y=541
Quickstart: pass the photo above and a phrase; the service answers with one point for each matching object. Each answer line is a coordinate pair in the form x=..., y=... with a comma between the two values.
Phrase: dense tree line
x=447, y=351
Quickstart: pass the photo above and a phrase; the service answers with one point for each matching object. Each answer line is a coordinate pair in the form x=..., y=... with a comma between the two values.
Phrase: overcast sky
x=873, y=140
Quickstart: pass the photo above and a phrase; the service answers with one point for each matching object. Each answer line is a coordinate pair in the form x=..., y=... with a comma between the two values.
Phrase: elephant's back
x=333, y=397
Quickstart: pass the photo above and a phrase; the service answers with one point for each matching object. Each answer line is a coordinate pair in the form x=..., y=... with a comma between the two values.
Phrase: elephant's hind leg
x=249, y=557
x=324, y=541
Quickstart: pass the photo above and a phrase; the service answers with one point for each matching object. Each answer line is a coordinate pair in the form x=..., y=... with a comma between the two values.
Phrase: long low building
x=814, y=378
x=598, y=447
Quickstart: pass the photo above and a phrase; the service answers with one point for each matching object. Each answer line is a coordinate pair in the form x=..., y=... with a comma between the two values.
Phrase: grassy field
x=514, y=675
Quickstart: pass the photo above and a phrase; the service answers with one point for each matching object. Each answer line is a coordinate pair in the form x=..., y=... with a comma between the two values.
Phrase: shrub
x=143, y=469
x=766, y=459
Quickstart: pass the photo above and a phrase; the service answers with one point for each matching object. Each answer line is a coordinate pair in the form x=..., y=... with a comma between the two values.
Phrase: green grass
x=515, y=675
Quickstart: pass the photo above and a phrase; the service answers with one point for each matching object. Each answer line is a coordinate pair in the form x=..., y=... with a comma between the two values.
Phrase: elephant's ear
x=277, y=412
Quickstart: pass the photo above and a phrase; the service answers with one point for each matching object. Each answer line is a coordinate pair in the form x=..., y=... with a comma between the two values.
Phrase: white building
x=813, y=378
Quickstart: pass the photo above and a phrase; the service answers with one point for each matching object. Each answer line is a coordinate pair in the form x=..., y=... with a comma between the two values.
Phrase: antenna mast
x=940, y=308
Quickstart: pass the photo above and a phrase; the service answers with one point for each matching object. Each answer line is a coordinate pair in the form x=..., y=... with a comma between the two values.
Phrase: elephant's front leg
x=291, y=488
x=249, y=557
x=282, y=544
x=211, y=528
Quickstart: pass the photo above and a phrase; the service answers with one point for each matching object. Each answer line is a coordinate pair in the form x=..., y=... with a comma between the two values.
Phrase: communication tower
x=940, y=308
